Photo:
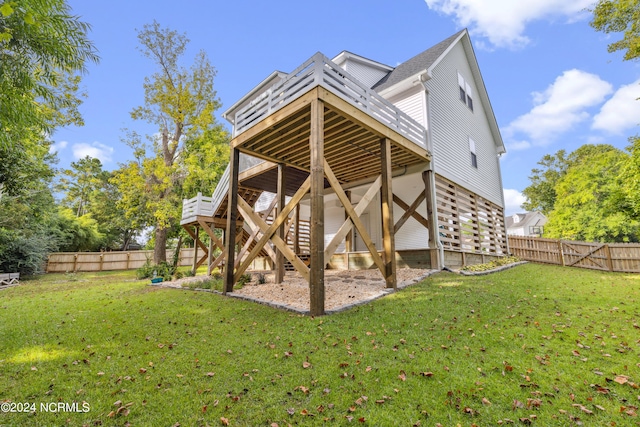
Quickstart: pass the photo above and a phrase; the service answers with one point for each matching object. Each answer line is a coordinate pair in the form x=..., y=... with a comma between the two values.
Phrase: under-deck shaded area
x=319, y=131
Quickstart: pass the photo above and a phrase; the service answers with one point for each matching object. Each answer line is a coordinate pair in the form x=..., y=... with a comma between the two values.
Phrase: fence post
x=607, y=251
x=101, y=260
x=75, y=263
x=560, y=252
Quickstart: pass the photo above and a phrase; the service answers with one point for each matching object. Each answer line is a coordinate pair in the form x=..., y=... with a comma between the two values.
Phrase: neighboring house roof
x=524, y=220
x=416, y=65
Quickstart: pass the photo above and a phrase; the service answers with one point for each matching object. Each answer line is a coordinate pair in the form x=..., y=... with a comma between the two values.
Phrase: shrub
x=164, y=270
x=492, y=264
x=244, y=279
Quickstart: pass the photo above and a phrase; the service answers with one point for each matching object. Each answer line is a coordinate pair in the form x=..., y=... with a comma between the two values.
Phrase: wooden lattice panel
x=468, y=222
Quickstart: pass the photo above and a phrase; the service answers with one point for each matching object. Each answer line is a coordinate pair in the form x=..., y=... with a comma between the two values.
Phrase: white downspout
x=423, y=79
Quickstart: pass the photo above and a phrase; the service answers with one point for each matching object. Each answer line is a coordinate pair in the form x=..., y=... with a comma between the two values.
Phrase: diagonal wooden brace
x=270, y=231
x=410, y=211
x=248, y=214
x=348, y=207
x=348, y=224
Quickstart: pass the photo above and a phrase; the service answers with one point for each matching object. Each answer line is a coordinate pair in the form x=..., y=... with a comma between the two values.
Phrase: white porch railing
x=320, y=70
x=197, y=206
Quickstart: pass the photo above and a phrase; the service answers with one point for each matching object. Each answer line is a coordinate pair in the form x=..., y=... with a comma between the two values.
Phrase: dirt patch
x=342, y=288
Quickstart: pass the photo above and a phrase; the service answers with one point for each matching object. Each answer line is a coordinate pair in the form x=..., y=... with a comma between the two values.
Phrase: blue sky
x=551, y=81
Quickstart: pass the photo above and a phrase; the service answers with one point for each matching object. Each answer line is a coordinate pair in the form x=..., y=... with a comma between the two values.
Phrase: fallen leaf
x=210, y=374
x=426, y=374
x=486, y=401
x=402, y=376
x=306, y=365
x=224, y=421
x=621, y=379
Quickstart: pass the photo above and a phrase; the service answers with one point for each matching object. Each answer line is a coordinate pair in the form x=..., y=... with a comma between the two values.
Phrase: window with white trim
x=472, y=150
x=466, y=95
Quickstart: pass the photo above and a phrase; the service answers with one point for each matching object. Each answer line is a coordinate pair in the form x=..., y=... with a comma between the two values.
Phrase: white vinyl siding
x=453, y=124
x=412, y=235
x=412, y=103
x=364, y=73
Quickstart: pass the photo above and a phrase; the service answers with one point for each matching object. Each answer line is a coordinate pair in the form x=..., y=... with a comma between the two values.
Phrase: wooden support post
x=196, y=239
x=316, y=149
x=232, y=219
x=279, y=275
x=386, y=206
x=212, y=246
x=296, y=242
x=432, y=217
x=348, y=240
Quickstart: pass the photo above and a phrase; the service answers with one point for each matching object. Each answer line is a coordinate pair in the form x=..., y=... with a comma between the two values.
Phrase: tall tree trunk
x=160, y=247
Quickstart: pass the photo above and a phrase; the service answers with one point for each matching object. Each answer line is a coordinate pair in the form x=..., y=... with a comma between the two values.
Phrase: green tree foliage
x=619, y=16
x=181, y=102
x=41, y=46
x=541, y=194
x=589, y=203
x=630, y=177
x=118, y=230
x=28, y=216
x=79, y=182
x=77, y=233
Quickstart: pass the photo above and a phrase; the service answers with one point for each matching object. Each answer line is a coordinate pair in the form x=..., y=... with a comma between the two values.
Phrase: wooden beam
x=316, y=153
x=410, y=211
x=348, y=239
x=274, y=118
x=357, y=222
x=217, y=242
x=196, y=240
x=386, y=207
x=232, y=219
x=280, y=232
x=296, y=243
x=270, y=231
x=210, y=256
x=343, y=107
x=347, y=226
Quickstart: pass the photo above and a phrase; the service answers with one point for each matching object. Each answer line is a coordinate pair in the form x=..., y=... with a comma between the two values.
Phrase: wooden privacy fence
x=102, y=261
x=621, y=257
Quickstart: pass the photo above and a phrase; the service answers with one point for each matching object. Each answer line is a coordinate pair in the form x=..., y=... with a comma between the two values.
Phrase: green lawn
x=536, y=344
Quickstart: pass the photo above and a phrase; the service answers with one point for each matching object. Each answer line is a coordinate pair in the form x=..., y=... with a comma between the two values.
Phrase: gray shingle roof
x=415, y=65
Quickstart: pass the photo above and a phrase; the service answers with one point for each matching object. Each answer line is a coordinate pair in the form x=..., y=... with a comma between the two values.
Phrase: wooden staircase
x=306, y=258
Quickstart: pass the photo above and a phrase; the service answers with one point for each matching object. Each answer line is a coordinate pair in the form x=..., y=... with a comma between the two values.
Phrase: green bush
x=499, y=262
x=149, y=271
x=244, y=279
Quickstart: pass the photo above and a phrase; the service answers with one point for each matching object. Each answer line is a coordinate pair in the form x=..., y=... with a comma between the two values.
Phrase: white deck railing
x=321, y=71
x=197, y=206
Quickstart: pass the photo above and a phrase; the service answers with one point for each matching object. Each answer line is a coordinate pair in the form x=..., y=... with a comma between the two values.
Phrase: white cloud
x=513, y=199
x=560, y=107
x=621, y=112
x=503, y=22
x=58, y=146
x=95, y=150
x=518, y=145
